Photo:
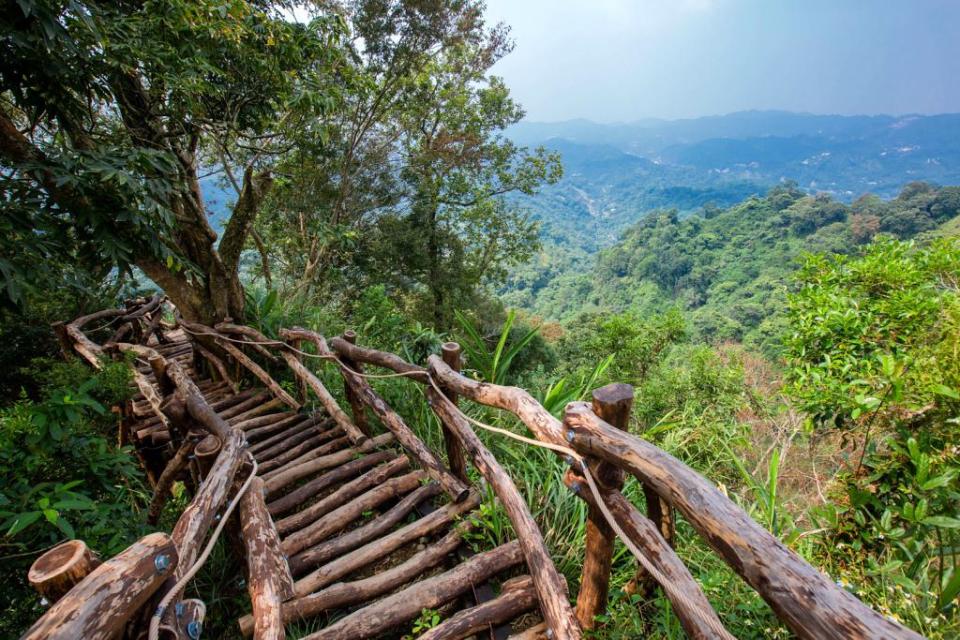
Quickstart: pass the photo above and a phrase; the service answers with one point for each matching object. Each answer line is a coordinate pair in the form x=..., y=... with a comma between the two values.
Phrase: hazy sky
x=617, y=60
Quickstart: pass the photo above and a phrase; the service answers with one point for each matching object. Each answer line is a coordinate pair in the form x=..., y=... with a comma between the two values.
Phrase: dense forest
x=798, y=350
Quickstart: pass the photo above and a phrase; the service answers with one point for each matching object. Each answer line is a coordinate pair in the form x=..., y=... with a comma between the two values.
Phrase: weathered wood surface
x=336, y=444
x=453, y=485
x=517, y=596
x=551, y=588
x=218, y=365
x=162, y=491
x=351, y=489
x=339, y=518
x=289, y=476
x=612, y=403
x=325, y=397
x=383, y=359
x=694, y=608
x=371, y=531
x=805, y=599
x=313, y=487
x=430, y=593
x=379, y=547
x=56, y=572
x=514, y=399
x=455, y=457
x=100, y=605
x=246, y=361
x=344, y=594
x=268, y=577
x=357, y=407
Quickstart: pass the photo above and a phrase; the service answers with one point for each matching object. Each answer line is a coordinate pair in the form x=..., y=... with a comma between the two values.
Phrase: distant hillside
x=729, y=267
x=616, y=173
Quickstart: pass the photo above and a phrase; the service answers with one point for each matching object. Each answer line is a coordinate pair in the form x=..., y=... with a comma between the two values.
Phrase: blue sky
x=621, y=60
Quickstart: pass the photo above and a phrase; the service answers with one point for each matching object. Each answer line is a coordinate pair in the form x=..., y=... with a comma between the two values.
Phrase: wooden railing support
x=550, y=586
x=357, y=408
x=101, y=605
x=56, y=572
x=612, y=403
x=458, y=466
x=805, y=599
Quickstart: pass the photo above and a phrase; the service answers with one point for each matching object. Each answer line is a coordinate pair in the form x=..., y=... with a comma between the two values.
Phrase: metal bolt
x=569, y=459
x=570, y=435
x=194, y=629
x=575, y=487
x=162, y=562
x=549, y=633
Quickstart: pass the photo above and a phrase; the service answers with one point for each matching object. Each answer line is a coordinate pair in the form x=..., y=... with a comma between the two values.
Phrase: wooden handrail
x=451, y=484
x=810, y=604
x=100, y=605
x=547, y=580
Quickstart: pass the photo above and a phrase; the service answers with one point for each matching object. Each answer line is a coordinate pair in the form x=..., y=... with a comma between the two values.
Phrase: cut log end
x=56, y=572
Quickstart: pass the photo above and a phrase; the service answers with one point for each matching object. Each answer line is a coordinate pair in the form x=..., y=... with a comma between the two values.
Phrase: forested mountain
x=615, y=173
x=728, y=267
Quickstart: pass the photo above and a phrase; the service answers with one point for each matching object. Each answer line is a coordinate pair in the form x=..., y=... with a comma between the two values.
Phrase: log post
x=357, y=408
x=458, y=465
x=206, y=453
x=63, y=339
x=158, y=364
x=101, y=605
x=56, y=572
x=269, y=581
x=612, y=403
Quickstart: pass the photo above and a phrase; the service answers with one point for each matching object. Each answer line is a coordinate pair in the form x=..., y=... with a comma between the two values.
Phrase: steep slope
x=729, y=268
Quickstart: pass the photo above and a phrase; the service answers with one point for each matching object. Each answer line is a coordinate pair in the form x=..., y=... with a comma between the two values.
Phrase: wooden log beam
x=344, y=594
x=341, y=546
x=458, y=465
x=430, y=593
x=341, y=517
x=257, y=371
x=57, y=571
x=453, y=485
x=258, y=410
x=289, y=476
x=694, y=608
x=517, y=596
x=514, y=399
x=324, y=396
x=268, y=577
x=319, y=452
x=613, y=403
x=218, y=365
x=100, y=605
x=383, y=359
x=199, y=516
x=295, y=446
x=805, y=599
x=160, y=493
x=310, y=426
x=239, y=408
x=338, y=498
x=551, y=588
x=343, y=472
x=357, y=408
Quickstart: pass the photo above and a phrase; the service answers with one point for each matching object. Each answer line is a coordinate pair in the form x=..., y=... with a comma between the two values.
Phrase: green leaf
x=944, y=522
x=944, y=390
x=23, y=521
x=951, y=588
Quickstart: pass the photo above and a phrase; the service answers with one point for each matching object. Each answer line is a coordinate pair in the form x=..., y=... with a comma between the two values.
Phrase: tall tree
x=111, y=111
x=408, y=192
